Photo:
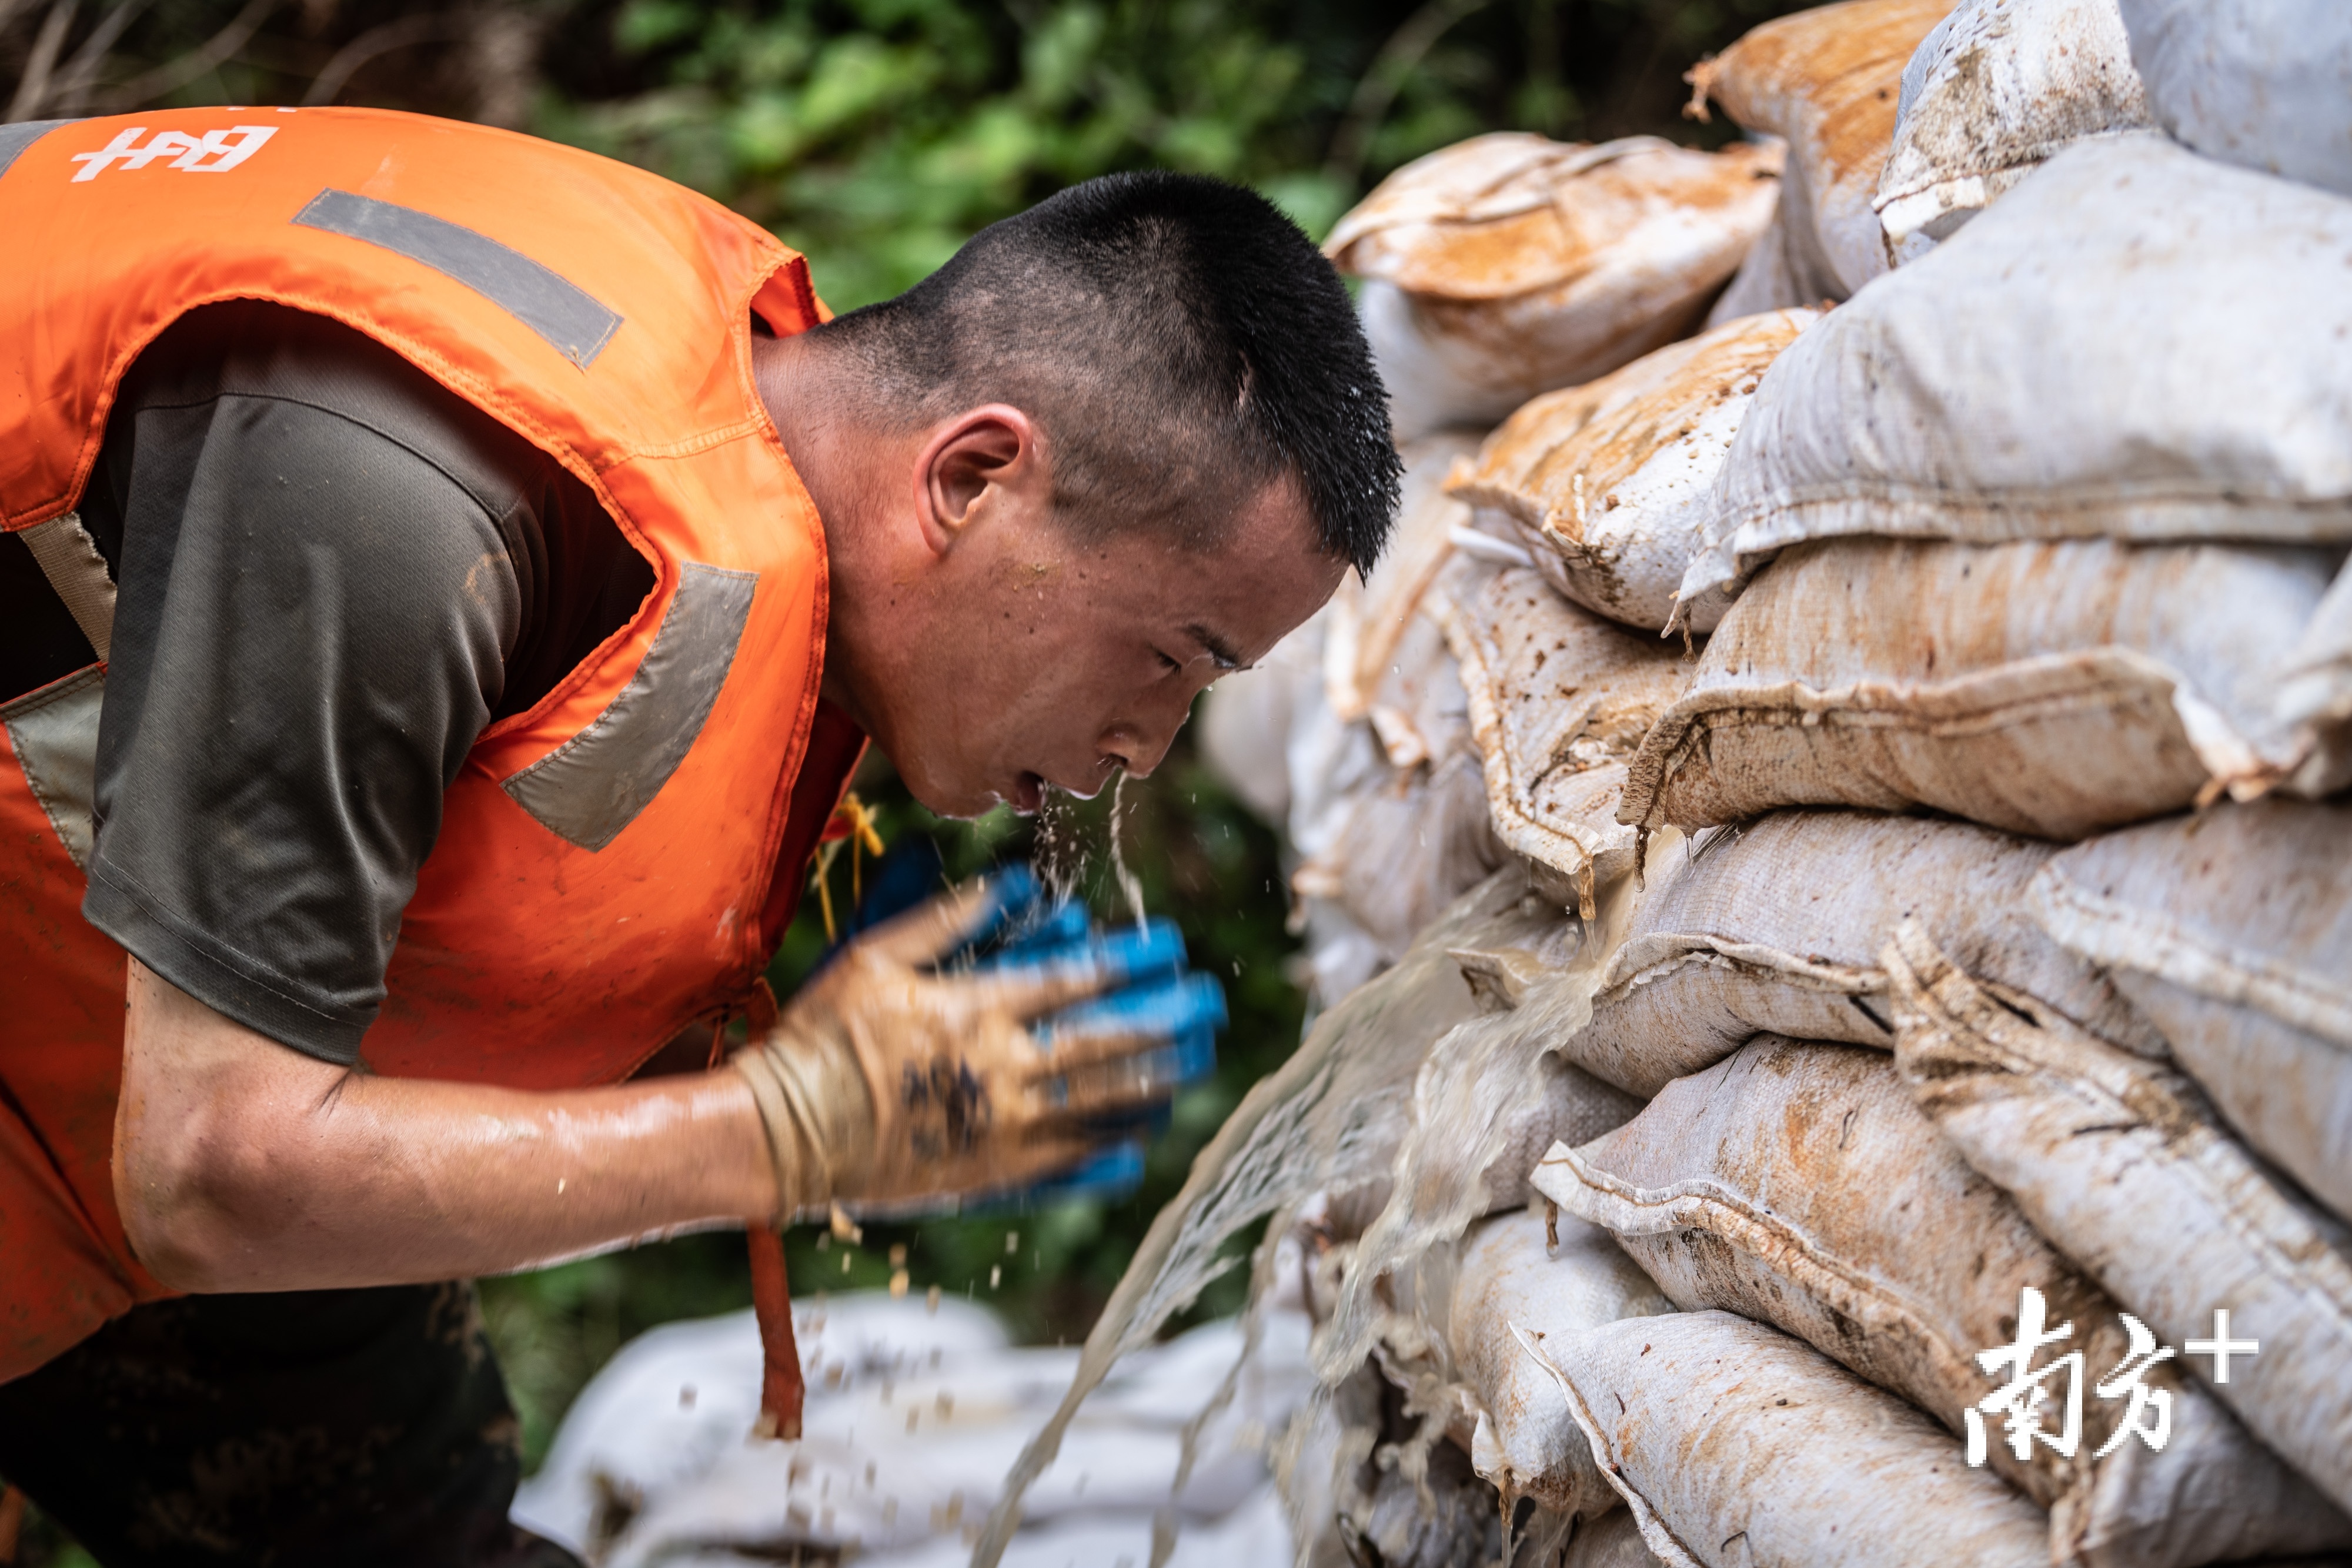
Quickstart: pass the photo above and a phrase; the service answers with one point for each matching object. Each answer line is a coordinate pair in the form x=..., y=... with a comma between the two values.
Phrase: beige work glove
x=887, y=1082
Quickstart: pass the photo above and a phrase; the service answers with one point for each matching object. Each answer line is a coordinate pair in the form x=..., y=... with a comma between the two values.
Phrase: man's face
x=1048, y=659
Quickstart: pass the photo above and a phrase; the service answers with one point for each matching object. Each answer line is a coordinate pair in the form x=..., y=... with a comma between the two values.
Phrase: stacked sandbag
x=1777, y=929
x=2265, y=84
x=2136, y=343
x=2053, y=688
x=2229, y=932
x=2123, y=1164
x=1609, y=484
x=1962, y=899
x=1509, y=265
x=2054, y=572
x=1996, y=89
x=1799, y=1185
x=1825, y=82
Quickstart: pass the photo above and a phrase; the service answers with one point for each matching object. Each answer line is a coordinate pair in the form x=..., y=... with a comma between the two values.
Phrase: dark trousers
x=355, y=1427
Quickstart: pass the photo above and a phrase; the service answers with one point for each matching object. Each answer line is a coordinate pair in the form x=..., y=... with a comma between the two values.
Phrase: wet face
x=1056, y=660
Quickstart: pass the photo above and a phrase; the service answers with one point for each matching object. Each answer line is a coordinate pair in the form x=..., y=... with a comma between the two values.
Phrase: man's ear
x=971, y=465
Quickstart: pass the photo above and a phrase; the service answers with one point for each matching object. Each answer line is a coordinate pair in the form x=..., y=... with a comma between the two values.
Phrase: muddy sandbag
x=1369, y=619
x=2134, y=342
x=1559, y=700
x=1992, y=93
x=1508, y=265
x=1512, y=1277
x=2231, y=933
x=1824, y=82
x=2266, y=84
x=1798, y=1184
x=2049, y=688
x=1738, y=1447
x=1776, y=927
x=2123, y=1165
x=1609, y=482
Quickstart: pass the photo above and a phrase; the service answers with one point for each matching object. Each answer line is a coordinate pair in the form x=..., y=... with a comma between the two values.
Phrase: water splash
x=1063, y=852
x=1332, y=1117
x=1128, y=883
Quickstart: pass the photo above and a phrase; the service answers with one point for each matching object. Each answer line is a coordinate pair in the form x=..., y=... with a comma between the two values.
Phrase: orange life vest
x=616, y=865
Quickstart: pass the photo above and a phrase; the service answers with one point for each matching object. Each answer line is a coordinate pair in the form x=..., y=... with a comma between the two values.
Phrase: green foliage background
x=876, y=135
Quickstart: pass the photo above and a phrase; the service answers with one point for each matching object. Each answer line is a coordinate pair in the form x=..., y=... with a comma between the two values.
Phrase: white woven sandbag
x=2121, y=1163
x=1738, y=1447
x=1512, y=1277
x=1559, y=700
x=1370, y=619
x=2052, y=688
x=1609, y=482
x=1798, y=1184
x=1776, y=927
x=1823, y=80
x=2231, y=933
x=2134, y=342
x=2263, y=83
x=1508, y=265
x=1995, y=91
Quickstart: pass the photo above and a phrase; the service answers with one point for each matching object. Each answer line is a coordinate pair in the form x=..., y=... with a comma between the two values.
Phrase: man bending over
x=450, y=578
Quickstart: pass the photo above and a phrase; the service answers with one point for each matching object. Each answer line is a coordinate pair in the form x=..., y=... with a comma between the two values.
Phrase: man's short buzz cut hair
x=1182, y=343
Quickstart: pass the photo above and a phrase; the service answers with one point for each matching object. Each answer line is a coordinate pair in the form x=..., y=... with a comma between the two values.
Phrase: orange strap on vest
x=615, y=864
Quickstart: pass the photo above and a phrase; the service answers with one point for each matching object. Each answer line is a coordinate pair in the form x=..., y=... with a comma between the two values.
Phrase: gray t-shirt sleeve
x=318, y=588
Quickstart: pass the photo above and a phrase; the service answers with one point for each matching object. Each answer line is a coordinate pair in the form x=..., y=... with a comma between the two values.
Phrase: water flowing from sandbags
x=1411, y=1081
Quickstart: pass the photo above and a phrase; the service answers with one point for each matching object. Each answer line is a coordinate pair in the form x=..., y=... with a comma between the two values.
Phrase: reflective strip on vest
x=55, y=734
x=15, y=139
x=574, y=322
x=589, y=788
x=69, y=559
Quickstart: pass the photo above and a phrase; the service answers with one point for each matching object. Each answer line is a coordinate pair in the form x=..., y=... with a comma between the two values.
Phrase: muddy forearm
x=242, y=1165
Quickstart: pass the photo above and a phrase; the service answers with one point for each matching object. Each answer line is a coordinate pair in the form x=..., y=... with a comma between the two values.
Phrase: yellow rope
x=863, y=838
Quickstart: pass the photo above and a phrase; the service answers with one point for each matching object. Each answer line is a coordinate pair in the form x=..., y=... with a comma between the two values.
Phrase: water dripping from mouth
x=1060, y=852
x=1129, y=882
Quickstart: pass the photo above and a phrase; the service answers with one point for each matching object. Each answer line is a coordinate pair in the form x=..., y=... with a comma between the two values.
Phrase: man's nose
x=1139, y=748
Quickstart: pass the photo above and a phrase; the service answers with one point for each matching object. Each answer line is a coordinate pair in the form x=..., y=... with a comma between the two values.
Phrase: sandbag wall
x=1901, y=624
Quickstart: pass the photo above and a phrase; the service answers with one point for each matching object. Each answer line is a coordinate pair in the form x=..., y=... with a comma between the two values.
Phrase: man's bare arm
x=242, y=1165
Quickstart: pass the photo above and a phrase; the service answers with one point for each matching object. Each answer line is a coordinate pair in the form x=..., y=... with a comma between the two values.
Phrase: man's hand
x=888, y=1082
x=242, y=1165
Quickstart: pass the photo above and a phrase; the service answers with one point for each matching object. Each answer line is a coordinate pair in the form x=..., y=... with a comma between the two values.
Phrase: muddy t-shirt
x=332, y=574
